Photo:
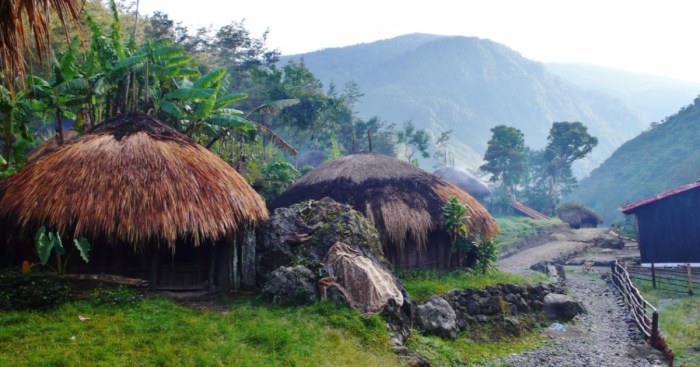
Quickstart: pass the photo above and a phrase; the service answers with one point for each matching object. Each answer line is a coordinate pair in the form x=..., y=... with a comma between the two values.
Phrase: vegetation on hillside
x=665, y=156
x=476, y=85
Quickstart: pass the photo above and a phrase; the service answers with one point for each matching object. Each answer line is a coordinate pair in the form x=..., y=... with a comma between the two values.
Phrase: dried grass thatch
x=17, y=16
x=404, y=202
x=50, y=145
x=578, y=216
x=130, y=180
x=466, y=181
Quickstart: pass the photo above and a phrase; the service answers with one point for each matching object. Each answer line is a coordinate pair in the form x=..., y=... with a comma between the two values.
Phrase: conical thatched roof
x=130, y=180
x=404, y=202
x=466, y=181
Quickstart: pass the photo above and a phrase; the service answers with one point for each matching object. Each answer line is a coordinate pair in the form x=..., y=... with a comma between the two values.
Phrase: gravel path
x=604, y=336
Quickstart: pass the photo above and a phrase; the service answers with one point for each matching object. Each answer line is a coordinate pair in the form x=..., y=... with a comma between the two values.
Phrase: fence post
x=653, y=276
x=654, y=329
x=690, y=279
x=612, y=271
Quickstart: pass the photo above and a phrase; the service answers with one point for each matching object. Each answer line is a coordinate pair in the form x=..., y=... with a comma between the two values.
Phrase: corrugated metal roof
x=630, y=207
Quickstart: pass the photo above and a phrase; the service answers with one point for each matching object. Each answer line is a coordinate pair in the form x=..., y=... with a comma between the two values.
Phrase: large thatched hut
x=466, y=181
x=404, y=202
x=152, y=202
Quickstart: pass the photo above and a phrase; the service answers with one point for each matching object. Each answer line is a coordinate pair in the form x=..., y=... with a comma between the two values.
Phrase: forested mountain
x=664, y=157
x=654, y=97
x=469, y=85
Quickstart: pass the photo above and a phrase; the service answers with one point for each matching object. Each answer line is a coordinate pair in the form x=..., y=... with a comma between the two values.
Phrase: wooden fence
x=681, y=279
x=645, y=316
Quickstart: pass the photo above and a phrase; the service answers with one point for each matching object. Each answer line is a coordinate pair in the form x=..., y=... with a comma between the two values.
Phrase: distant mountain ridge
x=655, y=161
x=469, y=85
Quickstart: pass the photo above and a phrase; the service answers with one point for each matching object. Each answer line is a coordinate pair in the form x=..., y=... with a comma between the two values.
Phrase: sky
x=659, y=37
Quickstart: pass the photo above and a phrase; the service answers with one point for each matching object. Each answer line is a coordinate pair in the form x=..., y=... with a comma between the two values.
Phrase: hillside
x=652, y=96
x=655, y=161
x=470, y=85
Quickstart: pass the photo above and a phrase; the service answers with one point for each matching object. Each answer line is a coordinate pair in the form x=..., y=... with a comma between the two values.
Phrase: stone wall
x=493, y=303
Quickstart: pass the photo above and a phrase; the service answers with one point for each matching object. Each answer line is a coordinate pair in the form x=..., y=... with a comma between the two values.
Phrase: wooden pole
x=654, y=329
x=690, y=279
x=369, y=139
x=653, y=276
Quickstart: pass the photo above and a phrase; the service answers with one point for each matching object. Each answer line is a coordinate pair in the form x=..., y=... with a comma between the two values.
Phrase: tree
x=567, y=142
x=441, y=148
x=414, y=141
x=506, y=158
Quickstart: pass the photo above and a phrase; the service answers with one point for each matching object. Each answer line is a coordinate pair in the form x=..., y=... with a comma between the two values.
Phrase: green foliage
x=414, y=141
x=486, y=255
x=653, y=162
x=32, y=290
x=277, y=176
x=455, y=217
x=113, y=295
x=47, y=243
x=506, y=158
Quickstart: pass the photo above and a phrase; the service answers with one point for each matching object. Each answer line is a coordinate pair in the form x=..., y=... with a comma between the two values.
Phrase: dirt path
x=604, y=335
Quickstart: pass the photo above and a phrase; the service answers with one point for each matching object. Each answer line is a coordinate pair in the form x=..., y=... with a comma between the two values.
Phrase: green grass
x=160, y=332
x=516, y=228
x=679, y=322
x=478, y=345
x=423, y=284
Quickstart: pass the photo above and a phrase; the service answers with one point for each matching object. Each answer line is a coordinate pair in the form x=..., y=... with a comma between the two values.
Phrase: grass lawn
x=423, y=284
x=679, y=322
x=160, y=332
x=516, y=228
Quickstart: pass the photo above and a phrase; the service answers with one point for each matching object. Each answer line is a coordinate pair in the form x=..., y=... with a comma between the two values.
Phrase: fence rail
x=679, y=279
x=644, y=314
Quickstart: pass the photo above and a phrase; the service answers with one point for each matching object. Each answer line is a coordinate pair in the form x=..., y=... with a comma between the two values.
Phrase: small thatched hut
x=578, y=216
x=466, y=181
x=404, y=202
x=152, y=202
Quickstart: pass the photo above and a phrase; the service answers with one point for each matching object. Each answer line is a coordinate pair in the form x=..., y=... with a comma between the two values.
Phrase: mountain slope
x=470, y=85
x=657, y=160
x=654, y=97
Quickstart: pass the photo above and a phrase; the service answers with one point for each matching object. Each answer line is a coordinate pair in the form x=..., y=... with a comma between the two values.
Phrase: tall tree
x=414, y=141
x=567, y=142
x=506, y=158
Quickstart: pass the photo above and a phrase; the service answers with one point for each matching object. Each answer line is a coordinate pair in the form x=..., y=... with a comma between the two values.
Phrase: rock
x=437, y=317
x=291, y=286
x=320, y=223
x=610, y=242
x=561, y=307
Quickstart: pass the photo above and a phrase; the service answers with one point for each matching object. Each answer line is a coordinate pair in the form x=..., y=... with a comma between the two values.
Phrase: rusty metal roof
x=631, y=207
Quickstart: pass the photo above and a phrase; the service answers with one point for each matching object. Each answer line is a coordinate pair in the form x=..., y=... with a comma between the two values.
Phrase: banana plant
x=16, y=112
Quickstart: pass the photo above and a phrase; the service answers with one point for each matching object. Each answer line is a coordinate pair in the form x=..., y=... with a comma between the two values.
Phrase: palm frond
x=277, y=140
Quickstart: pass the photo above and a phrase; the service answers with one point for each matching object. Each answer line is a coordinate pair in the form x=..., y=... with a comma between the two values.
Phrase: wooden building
x=669, y=225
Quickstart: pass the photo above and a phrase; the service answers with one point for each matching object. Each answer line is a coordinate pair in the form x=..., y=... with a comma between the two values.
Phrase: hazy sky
x=659, y=37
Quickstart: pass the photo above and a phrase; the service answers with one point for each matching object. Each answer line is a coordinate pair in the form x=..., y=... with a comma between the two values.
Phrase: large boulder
x=291, y=286
x=341, y=249
x=437, y=317
x=561, y=307
x=303, y=233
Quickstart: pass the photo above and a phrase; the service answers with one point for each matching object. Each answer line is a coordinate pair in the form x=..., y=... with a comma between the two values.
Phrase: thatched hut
x=152, y=202
x=404, y=202
x=466, y=181
x=578, y=216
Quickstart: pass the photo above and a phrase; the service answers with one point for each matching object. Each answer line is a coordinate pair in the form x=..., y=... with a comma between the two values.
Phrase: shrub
x=35, y=290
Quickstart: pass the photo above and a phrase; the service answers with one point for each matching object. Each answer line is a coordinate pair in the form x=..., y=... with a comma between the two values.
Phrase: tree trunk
x=59, y=126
